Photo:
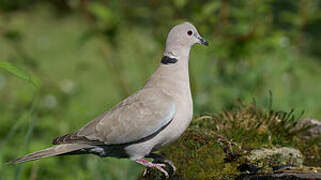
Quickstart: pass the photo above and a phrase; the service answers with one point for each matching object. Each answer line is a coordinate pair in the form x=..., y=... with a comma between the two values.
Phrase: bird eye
x=189, y=32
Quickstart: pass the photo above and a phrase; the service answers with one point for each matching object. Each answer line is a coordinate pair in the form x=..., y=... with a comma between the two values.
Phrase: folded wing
x=139, y=116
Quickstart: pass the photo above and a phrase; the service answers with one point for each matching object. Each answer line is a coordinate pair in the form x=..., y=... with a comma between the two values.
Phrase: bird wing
x=139, y=116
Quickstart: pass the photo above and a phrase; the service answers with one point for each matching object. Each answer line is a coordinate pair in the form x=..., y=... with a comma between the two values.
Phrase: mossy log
x=219, y=146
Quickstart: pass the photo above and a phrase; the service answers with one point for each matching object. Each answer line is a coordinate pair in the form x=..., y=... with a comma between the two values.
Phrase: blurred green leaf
x=13, y=35
x=210, y=8
x=14, y=70
x=180, y=3
x=101, y=12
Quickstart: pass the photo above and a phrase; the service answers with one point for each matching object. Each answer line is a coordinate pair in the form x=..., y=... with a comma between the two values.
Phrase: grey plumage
x=52, y=151
x=154, y=116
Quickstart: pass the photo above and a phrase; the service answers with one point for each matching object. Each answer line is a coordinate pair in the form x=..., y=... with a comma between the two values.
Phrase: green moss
x=199, y=156
x=215, y=146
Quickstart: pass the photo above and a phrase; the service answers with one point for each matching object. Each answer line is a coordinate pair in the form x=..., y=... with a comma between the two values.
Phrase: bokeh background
x=70, y=60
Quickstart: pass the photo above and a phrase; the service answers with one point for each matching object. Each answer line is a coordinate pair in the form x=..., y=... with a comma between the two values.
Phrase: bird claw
x=161, y=159
x=161, y=169
x=170, y=163
x=158, y=166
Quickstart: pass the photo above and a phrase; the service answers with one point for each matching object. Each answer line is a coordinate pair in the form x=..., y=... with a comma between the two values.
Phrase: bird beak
x=202, y=41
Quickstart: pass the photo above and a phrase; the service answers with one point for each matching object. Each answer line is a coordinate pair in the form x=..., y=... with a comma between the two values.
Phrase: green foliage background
x=80, y=57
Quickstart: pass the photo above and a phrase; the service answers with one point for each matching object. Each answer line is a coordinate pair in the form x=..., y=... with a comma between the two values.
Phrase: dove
x=154, y=116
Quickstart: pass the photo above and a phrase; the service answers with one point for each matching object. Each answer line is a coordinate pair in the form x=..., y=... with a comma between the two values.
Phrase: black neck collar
x=168, y=60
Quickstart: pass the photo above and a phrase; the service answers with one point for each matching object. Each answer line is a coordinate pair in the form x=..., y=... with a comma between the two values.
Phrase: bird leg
x=161, y=159
x=147, y=164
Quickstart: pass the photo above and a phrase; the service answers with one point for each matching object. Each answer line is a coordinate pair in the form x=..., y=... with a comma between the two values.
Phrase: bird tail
x=52, y=151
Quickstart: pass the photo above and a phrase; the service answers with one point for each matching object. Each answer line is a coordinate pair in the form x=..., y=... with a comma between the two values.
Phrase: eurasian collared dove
x=154, y=116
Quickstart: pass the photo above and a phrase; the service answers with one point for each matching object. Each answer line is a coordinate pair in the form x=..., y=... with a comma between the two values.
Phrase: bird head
x=183, y=36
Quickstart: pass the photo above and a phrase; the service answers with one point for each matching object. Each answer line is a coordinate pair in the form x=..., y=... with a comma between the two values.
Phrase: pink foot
x=158, y=166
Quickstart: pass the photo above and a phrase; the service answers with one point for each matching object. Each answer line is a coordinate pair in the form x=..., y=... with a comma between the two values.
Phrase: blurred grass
x=67, y=72
x=83, y=73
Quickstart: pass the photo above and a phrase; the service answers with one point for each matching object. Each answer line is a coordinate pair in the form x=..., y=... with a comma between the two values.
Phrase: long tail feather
x=52, y=151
